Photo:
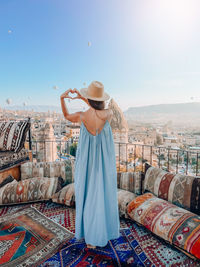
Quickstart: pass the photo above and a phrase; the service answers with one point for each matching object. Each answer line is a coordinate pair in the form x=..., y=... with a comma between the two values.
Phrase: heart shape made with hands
x=73, y=95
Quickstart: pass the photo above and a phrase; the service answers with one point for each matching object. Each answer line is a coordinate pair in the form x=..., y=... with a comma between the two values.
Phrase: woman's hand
x=79, y=96
x=74, y=91
x=65, y=94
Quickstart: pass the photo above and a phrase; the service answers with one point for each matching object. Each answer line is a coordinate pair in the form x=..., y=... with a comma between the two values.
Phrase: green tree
x=72, y=149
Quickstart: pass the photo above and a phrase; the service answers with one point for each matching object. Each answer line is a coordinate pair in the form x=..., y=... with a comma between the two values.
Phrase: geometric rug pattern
x=118, y=252
x=144, y=247
x=27, y=238
x=157, y=250
x=136, y=246
x=60, y=214
x=124, y=251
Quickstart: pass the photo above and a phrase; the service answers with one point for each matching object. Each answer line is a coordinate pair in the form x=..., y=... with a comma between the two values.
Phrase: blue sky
x=144, y=51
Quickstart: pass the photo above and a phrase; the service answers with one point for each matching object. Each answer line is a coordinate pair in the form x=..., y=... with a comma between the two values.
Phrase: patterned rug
x=118, y=252
x=135, y=247
x=157, y=250
x=27, y=237
x=60, y=214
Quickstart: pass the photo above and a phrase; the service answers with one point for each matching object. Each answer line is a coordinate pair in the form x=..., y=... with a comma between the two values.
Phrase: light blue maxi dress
x=95, y=180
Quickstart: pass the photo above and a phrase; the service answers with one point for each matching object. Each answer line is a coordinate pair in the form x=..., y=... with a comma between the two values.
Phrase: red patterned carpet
x=134, y=240
x=27, y=237
x=62, y=214
x=59, y=213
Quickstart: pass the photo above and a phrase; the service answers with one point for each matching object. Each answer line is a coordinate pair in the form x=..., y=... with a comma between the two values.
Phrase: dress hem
x=100, y=245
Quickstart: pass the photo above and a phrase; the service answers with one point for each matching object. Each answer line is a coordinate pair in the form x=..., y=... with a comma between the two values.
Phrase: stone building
x=46, y=143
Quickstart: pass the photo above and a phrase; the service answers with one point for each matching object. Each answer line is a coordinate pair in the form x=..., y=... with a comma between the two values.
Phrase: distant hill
x=180, y=113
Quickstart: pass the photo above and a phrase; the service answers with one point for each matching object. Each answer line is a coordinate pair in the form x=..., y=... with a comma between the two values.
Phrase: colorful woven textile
x=61, y=214
x=65, y=196
x=13, y=135
x=62, y=169
x=35, y=189
x=176, y=225
x=135, y=247
x=27, y=238
x=124, y=197
x=10, y=159
x=157, y=251
x=130, y=181
x=123, y=251
x=181, y=190
x=5, y=210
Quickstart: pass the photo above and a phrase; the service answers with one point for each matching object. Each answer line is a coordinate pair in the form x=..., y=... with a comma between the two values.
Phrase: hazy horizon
x=12, y=107
x=144, y=52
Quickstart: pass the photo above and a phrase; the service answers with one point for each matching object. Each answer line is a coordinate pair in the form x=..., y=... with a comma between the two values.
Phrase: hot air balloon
x=89, y=44
x=9, y=31
x=55, y=87
x=8, y=101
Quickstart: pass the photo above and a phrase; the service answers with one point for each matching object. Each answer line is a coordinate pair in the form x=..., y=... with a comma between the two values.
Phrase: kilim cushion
x=181, y=190
x=30, y=190
x=130, y=181
x=65, y=196
x=10, y=159
x=39, y=169
x=62, y=169
x=13, y=135
x=178, y=226
x=124, y=197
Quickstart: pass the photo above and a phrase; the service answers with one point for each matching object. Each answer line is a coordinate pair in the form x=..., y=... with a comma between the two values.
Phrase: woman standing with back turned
x=95, y=177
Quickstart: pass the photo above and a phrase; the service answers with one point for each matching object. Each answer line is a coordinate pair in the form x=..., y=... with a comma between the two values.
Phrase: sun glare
x=177, y=15
x=171, y=20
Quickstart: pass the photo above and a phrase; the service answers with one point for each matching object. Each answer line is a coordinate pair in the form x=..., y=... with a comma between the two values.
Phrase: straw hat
x=95, y=91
